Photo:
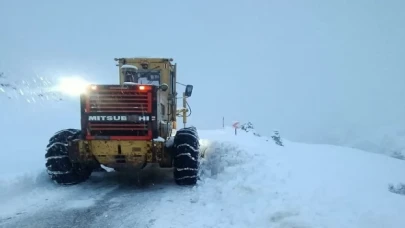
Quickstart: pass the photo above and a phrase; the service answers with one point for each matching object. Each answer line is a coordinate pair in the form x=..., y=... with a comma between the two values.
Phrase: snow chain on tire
x=59, y=167
x=186, y=156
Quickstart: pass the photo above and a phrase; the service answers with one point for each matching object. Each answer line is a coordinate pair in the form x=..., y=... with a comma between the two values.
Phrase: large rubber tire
x=59, y=167
x=186, y=156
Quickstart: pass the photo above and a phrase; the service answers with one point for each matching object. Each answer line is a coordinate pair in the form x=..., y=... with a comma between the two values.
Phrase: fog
x=309, y=69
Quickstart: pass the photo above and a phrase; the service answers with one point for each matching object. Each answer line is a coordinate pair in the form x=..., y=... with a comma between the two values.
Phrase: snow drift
x=300, y=185
x=247, y=181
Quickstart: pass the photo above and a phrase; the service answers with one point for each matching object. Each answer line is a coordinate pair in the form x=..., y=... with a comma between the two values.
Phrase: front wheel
x=186, y=156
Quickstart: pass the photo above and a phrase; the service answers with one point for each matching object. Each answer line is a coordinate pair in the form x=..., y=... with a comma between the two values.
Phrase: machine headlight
x=72, y=86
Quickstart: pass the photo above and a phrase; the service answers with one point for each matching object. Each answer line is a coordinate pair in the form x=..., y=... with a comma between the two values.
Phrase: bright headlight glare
x=73, y=86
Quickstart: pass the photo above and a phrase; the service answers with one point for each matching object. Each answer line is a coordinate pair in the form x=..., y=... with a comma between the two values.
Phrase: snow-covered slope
x=246, y=181
x=387, y=139
x=304, y=186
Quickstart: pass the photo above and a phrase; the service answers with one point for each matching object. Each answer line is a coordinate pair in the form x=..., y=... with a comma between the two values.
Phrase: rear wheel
x=186, y=156
x=59, y=166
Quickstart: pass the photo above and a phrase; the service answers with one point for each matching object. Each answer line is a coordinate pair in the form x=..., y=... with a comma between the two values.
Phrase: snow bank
x=250, y=182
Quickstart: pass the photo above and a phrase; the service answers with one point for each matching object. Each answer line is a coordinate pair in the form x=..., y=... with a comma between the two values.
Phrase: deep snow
x=247, y=181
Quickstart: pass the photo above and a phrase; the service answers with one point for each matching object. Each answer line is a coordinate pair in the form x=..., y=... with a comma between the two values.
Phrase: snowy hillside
x=388, y=140
x=246, y=181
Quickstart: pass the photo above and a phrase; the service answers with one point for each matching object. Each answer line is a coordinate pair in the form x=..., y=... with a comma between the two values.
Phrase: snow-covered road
x=247, y=181
x=106, y=200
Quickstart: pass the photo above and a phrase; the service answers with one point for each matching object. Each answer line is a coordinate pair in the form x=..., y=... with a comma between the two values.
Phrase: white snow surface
x=159, y=139
x=246, y=181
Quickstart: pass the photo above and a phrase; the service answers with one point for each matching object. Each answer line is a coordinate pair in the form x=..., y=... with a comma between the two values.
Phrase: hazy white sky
x=303, y=67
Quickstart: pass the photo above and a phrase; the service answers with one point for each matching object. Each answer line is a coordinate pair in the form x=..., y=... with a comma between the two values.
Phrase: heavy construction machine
x=127, y=125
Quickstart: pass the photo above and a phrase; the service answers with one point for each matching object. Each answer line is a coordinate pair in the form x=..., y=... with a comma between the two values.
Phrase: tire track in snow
x=104, y=200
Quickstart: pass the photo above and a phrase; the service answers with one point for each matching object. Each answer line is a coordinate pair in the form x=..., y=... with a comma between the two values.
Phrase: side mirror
x=189, y=90
x=164, y=87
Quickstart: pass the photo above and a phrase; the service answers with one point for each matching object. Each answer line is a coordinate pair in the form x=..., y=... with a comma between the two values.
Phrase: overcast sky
x=303, y=67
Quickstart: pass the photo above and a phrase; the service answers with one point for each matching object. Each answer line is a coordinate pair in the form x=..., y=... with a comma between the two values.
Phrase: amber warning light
x=144, y=88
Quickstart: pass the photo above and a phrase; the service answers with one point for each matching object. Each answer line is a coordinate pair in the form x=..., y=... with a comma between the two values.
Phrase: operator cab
x=143, y=76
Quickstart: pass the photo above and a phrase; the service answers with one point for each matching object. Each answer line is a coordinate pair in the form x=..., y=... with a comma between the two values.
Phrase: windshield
x=143, y=77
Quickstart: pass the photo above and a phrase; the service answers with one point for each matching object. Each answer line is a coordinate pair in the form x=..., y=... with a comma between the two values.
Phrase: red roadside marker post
x=236, y=126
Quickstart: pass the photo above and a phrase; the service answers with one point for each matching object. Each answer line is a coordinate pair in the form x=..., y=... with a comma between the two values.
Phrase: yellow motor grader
x=128, y=125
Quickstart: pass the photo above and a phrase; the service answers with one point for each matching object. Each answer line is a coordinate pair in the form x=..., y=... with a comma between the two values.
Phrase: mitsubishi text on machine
x=119, y=118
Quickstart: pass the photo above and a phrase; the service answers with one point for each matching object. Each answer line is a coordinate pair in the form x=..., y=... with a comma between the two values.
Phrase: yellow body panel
x=167, y=75
x=121, y=154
